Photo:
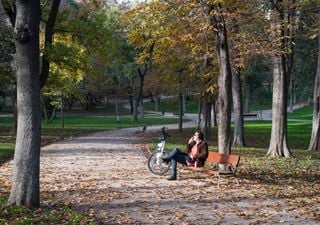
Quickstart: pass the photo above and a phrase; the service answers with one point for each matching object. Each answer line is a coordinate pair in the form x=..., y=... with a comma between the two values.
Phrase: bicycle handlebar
x=164, y=135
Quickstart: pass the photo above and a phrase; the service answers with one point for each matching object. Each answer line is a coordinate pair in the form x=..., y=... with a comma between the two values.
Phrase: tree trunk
x=224, y=82
x=116, y=102
x=315, y=134
x=214, y=114
x=48, y=41
x=15, y=112
x=248, y=95
x=180, y=112
x=130, y=97
x=141, y=107
x=199, y=112
x=45, y=112
x=278, y=142
x=25, y=184
x=62, y=114
x=290, y=34
x=206, y=122
x=292, y=94
x=238, y=136
x=139, y=97
x=157, y=102
x=184, y=106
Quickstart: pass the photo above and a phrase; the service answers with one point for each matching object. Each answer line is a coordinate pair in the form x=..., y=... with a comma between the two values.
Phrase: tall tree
x=315, y=134
x=224, y=80
x=25, y=184
x=279, y=140
x=238, y=135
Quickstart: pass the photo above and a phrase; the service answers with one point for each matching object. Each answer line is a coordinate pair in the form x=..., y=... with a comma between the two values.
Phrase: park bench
x=177, y=114
x=250, y=115
x=215, y=160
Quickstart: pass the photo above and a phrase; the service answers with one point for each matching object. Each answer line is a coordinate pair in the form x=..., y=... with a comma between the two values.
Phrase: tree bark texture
x=278, y=143
x=314, y=144
x=206, y=122
x=141, y=107
x=140, y=93
x=248, y=95
x=200, y=111
x=224, y=82
x=25, y=184
x=238, y=135
x=214, y=114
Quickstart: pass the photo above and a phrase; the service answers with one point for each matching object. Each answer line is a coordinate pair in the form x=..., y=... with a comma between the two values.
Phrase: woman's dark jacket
x=202, y=151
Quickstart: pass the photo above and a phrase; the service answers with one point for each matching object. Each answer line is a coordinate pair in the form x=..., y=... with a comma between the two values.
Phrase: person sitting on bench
x=197, y=153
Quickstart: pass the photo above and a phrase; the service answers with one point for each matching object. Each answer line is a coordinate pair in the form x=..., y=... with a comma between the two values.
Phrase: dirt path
x=104, y=175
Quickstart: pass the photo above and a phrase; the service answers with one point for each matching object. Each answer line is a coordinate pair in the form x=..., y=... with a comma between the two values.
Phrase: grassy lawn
x=304, y=113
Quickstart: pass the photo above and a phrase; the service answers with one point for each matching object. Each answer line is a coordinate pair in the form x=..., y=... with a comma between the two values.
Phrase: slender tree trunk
x=278, y=142
x=290, y=34
x=248, y=95
x=214, y=114
x=292, y=94
x=45, y=112
x=15, y=112
x=224, y=82
x=139, y=97
x=25, y=184
x=180, y=112
x=116, y=102
x=157, y=102
x=53, y=114
x=141, y=108
x=199, y=112
x=142, y=75
x=184, y=103
x=48, y=41
x=238, y=136
x=315, y=134
x=62, y=113
x=206, y=122
x=131, y=104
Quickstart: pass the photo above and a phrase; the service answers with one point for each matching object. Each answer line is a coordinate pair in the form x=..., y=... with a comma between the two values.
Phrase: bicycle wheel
x=156, y=165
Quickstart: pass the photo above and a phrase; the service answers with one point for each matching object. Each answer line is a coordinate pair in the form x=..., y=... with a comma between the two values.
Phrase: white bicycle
x=155, y=163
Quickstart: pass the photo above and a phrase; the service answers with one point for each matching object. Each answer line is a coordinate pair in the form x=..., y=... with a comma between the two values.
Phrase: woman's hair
x=201, y=135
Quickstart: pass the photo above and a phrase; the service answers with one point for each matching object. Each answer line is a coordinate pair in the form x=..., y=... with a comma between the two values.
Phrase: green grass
x=304, y=113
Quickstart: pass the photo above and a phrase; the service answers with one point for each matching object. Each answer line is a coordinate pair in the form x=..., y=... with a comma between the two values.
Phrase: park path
x=104, y=176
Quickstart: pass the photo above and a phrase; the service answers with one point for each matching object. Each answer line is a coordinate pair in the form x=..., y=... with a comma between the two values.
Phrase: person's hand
x=191, y=139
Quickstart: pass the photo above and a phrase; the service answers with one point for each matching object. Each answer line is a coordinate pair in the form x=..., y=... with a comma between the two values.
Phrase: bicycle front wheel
x=156, y=164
